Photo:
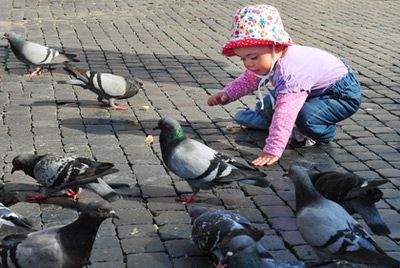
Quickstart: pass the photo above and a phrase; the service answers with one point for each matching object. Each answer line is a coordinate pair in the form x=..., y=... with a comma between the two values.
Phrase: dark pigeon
x=35, y=55
x=355, y=194
x=213, y=229
x=10, y=218
x=56, y=173
x=201, y=166
x=106, y=86
x=59, y=246
x=329, y=228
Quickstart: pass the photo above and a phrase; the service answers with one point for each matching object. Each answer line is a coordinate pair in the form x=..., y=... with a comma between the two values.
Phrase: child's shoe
x=300, y=140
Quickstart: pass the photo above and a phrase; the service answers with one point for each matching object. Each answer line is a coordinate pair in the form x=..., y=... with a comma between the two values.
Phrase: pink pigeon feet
x=220, y=265
x=35, y=197
x=72, y=194
x=36, y=72
x=119, y=108
x=187, y=199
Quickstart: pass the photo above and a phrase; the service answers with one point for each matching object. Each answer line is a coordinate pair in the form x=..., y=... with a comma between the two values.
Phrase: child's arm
x=243, y=85
x=287, y=107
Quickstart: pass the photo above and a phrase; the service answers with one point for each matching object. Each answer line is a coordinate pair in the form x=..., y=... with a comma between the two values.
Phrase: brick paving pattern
x=173, y=46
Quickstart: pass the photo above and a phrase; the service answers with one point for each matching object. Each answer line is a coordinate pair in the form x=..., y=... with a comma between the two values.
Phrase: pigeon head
x=243, y=252
x=195, y=212
x=25, y=162
x=11, y=36
x=134, y=84
x=305, y=191
x=100, y=210
x=171, y=130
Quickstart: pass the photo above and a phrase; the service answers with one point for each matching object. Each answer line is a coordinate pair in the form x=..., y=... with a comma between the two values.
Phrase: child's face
x=257, y=59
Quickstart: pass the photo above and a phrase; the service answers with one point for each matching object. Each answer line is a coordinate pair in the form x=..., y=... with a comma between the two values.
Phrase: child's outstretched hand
x=265, y=159
x=218, y=98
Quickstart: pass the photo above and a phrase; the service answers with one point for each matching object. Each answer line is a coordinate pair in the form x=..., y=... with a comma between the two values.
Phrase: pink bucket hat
x=255, y=26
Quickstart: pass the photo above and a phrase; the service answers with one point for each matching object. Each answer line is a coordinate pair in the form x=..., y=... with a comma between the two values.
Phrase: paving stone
x=182, y=248
x=195, y=262
x=141, y=245
x=149, y=260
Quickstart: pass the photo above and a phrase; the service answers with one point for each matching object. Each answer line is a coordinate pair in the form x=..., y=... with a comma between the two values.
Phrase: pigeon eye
x=100, y=210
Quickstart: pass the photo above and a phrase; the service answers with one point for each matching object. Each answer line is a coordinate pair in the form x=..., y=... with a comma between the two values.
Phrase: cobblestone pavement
x=173, y=46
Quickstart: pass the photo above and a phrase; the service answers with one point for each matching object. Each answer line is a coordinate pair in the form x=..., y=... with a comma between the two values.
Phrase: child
x=313, y=89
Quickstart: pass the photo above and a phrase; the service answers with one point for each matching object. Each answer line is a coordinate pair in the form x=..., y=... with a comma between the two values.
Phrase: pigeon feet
x=36, y=72
x=220, y=265
x=187, y=199
x=119, y=108
x=72, y=193
x=34, y=197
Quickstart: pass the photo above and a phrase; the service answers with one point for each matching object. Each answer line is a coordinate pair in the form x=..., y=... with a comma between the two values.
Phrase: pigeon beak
x=13, y=170
x=114, y=214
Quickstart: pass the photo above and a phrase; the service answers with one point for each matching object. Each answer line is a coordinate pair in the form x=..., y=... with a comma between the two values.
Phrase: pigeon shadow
x=162, y=66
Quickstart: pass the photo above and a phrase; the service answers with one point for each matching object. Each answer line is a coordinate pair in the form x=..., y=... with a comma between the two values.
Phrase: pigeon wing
x=11, y=218
x=37, y=54
x=192, y=160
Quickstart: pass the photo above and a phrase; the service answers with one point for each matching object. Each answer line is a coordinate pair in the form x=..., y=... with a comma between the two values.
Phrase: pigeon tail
x=252, y=177
x=104, y=190
x=20, y=221
x=260, y=182
x=372, y=258
x=371, y=216
x=76, y=71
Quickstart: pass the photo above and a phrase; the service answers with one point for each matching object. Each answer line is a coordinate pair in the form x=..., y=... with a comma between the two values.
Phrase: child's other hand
x=265, y=159
x=218, y=98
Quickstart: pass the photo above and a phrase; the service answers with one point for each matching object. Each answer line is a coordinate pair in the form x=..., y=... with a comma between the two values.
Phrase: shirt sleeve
x=287, y=107
x=247, y=82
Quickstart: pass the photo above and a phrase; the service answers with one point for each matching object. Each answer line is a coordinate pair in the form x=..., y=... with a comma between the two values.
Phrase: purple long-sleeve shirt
x=300, y=73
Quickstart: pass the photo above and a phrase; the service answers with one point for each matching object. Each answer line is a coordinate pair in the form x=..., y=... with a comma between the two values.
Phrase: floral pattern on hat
x=256, y=25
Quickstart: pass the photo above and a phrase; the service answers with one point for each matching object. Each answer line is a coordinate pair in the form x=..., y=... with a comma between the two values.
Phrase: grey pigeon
x=329, y=228
x=10, y=218
x=59, y=246
x=106, y=86
x=35, y=55
x=56, y=173
x=355, y=194
x=213, y=229
x=201, y=166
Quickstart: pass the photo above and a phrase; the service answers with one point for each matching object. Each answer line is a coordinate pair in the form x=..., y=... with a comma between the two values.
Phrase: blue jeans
x=318, y=117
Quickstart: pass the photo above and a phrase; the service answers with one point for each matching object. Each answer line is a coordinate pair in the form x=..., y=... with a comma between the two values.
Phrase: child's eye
x=253, y=57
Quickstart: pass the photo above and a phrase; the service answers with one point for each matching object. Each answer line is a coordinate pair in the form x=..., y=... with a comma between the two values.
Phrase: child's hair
x=255, y=26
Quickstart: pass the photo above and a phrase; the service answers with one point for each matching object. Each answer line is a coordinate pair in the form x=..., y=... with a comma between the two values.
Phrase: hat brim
x=228, y=48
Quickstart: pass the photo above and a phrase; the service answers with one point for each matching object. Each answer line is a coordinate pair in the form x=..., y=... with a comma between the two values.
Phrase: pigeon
x=355, y=194
x=212, y=230
x=329, y=228
x=106, y=86
x=35, y=55
x=59, y=246
x=56, y=173
x=10, y=218
x=201, y=166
